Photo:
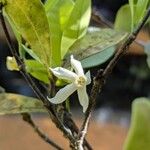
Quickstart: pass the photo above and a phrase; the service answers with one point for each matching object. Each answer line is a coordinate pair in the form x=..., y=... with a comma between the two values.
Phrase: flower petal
x=83, y=98
x=76, y=65
x=88, y=76
x=63, y=94
x=63, y=73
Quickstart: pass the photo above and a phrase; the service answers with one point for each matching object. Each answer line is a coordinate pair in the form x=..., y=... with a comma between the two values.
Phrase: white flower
x=78, y=81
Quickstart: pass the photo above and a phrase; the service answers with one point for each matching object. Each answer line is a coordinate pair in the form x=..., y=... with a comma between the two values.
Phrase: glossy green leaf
x=138, y=9
x=36, y=69
x=30, y=20
x=141, y=7
x=96, y=47
x=139, y=133
x=57, y=17
x=77, y=25
x=15, y=103
x=123, y=20
x=132, y=8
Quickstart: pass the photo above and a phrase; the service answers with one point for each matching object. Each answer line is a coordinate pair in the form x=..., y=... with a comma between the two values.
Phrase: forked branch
x=101, y=77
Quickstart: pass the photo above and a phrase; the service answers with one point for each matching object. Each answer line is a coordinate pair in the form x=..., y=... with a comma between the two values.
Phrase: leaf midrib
x=33, y=28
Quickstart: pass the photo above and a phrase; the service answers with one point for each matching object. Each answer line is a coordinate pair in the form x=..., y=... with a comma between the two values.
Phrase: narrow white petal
x=63, y=94
x=63, y=73
x=83, y=98
x=88, y=76
x=76, y=65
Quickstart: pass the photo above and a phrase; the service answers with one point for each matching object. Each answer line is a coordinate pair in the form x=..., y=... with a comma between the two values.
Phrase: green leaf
x=98, y=58
x=96, y=47
x=36, y=69
x=132, y=8
x=141, y=7
x=57, y=18
x=30, y=20
x=15, y=103
x=139, y=133
x=77, y=25
x=138, y=9
x=123, y=20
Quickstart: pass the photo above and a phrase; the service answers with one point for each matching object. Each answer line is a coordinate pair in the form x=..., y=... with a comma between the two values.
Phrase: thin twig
x=27, y=118
x=101, y=77
x=22, y=68
x=20, y=62
x=98, y=18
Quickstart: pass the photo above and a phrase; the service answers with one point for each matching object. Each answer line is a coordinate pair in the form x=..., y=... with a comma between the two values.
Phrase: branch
x=49, y=107
x=101, y=77
x=20, y=61
x=22, y=70
x=98, y=18
x=27, y=118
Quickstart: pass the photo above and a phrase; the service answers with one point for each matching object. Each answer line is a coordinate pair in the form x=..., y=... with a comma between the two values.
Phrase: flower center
x=80, y=81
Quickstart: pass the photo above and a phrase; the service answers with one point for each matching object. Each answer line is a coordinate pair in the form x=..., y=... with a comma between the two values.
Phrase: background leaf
x=96, y=47
x=147, y=51
x=30, y=20
x=129, y=15
x=14, y=104
x=123, y=20
x=139, y=133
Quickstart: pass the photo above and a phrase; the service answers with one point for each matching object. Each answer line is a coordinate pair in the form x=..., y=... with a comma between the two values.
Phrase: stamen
x=80, y=81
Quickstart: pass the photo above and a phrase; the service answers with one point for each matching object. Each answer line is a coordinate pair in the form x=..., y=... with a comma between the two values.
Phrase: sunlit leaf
x=57, y=18
x=140, y=10
x=96, y=47
x=132, y=8
x=30, y=20
x=15, y=103
x=77, y=24
x=139, y=133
